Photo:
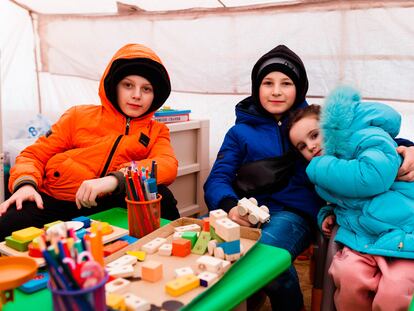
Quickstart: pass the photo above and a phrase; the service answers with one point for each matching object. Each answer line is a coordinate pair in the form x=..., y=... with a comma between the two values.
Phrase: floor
x=302, y=267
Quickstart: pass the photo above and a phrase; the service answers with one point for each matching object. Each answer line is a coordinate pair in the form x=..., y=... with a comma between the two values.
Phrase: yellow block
x=104, y=226
x=47, y=226
x=182, y=285
x=27, y=234
x=139, y=254
x=116, y=302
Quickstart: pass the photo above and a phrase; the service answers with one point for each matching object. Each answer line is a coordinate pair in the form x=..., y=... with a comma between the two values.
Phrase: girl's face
x=135, y=95
x=306, y=136
x=277, y=93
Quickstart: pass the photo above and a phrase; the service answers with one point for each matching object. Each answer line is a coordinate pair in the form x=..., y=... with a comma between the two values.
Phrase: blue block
x=37, y=283
x=129, y=239
x=229, y=248
x=86, y=221
x=81, y=233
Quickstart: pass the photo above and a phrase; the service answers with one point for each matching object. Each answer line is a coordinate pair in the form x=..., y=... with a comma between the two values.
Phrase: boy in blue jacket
x=355, y=169
x=254, y=160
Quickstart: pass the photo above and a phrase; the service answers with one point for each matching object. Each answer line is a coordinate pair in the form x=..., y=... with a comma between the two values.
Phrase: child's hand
x=90, y=189
x=328, y=224
x=406, y=171
x=25, y=193
x=241, y=220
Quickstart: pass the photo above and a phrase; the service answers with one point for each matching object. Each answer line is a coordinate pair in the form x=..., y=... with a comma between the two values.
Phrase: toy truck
x=250, y=206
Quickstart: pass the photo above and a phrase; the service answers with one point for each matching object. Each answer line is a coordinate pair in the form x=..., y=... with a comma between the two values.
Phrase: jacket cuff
x=121, y=188
x=23, y=182
x=404, y=142
x=227, y=204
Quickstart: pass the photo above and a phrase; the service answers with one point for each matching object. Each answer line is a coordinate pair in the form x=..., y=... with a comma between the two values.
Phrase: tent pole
x=1, y=142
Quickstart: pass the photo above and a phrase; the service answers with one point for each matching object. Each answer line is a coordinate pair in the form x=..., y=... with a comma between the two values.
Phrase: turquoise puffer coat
x=357, y=174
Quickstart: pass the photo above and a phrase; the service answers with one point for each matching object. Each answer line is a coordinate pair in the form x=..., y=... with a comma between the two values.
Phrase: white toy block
x=255, y=213
x=219, y=253
x=165, y=249
x=226, y=265
x=192, y=227
x=116, y=285
x=122, y=271
x=242, y=250
x=232, y=257
x=227, y=229
x=135, y=303
x=183, y=271
x=211, y=246
x=152, y=246
x=177, y=235
x=122, y=261
x=207, y=278
x=210, y=264
x=215, y=215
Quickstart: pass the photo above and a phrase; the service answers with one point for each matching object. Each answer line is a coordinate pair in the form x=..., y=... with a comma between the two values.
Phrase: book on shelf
x=172, y=115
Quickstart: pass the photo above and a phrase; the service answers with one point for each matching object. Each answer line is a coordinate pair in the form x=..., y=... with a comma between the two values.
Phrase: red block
x=181, y=247
x=206, y=224
x=114, y=247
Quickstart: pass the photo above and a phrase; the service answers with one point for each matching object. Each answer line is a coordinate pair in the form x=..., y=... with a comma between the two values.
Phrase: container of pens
x=143, y=216
x=86, y=299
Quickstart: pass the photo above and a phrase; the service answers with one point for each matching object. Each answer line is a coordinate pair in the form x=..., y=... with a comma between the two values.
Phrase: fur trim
x=337, y=116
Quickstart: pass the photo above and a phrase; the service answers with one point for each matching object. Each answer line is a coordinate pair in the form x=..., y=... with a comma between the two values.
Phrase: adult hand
x=24, y=193
x=241, y=220
x=328, y=224
x=406, y=171
x=91, y=188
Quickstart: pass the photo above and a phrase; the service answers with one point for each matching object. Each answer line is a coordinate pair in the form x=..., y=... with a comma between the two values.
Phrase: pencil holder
x=143, y=216
x=87, y=299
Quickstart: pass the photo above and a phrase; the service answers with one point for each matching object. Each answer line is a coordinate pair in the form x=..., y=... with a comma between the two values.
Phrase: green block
x=200, y=247
x=17, y=245
x=190, y=235
x=215, y=236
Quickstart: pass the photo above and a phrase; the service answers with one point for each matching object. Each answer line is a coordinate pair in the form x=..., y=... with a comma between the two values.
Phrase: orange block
x=114, y=247
x=181, y=247
x=206, y=224
x=151, y=271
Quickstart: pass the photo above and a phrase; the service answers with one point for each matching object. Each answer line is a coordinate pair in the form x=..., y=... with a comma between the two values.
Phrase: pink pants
x=367, y=282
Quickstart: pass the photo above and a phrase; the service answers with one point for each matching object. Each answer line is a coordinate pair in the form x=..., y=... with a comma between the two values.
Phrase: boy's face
x=306, y=136
x=135, y=95
x=277, y=93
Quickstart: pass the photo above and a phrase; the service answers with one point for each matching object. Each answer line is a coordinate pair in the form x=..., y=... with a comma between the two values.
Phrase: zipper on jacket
x=111, y=154
x=127, y=126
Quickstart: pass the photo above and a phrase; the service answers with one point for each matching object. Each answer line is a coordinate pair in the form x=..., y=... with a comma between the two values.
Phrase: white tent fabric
x=209, y=52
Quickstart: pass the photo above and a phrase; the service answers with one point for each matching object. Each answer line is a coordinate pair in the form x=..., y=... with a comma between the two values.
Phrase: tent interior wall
x=53, y=60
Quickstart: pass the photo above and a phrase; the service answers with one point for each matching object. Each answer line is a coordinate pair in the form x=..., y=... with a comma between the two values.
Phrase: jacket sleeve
x=162, y=153
x=219, y=183
x=371, y=171
x=30, y=163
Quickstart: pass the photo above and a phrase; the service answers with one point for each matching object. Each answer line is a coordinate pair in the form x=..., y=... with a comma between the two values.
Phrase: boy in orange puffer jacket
x=74, y=169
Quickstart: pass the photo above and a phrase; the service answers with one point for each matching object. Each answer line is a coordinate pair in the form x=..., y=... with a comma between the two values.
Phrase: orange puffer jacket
x=89, y=141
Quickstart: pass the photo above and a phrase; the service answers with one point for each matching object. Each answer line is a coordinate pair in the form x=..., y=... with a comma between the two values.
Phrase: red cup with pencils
x=144, y=217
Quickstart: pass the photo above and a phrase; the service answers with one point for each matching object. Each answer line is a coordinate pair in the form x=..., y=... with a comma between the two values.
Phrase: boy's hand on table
x=406, y=171
x=91, y=188
x=241, y=220
x=24, y=193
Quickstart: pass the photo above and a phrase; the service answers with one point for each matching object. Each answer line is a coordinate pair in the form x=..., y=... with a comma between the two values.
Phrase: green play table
x=260, y=265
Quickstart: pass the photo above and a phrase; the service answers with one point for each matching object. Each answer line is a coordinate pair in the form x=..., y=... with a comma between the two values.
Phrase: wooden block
x=210, y=264
x=17, y=245
x=122, y=261
x=215, y=215
x=182, y=285
x=177, y=235
x=183, y=271
x=27, y=234
x=211, y=246
x=51, y=224
x=192, y=227
x=165, y=249
x=232, y=257
x=104, y=226
x=181, y=247
x=135, y=303
x=115, y=301
x=206, y=224
x=116, y=285
x=121, y=271
x=191, y=236
x=151, y=271
x=214, y=235
x=227, y=229
x=140, y=255
x=201, y=245
x=226, y=265
x=219, y=253
x=229, y=248
x=152, y=246
x=114, y=247
x=207, y=278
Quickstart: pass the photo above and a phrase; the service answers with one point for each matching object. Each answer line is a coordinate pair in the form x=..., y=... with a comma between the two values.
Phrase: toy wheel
x=211, y=246
x=242, y=210
x=253, y=219
x=253, y=200
x=264, y=208
x=219, y=253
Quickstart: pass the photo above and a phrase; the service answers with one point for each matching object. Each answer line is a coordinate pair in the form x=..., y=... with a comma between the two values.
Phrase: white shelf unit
x=190, y=141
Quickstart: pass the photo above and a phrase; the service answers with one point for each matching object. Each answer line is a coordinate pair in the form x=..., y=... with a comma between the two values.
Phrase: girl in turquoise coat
x=375, y=213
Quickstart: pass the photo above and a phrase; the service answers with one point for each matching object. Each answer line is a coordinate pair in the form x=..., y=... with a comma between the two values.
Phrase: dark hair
x=299, y=114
